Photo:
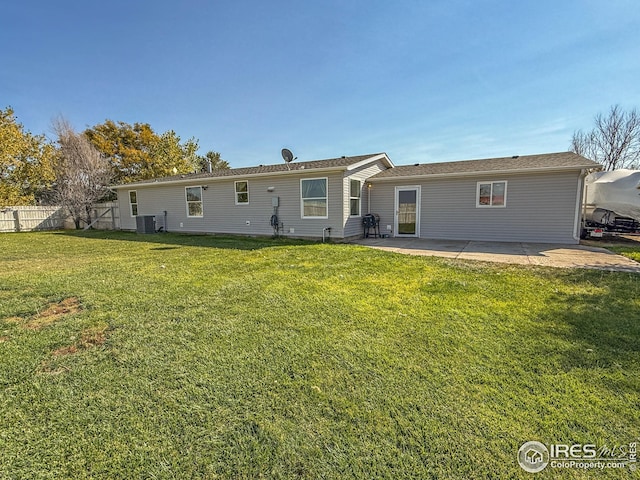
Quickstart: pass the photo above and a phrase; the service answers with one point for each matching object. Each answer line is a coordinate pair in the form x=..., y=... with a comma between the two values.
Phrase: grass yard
x=629, y=249
x=628, y=246
x=166, y=356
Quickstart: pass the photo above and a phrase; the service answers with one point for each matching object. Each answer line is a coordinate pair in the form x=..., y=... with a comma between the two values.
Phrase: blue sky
x=424, y=81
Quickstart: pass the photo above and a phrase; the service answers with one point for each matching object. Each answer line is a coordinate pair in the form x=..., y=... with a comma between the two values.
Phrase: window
x=194, y=201
x=242, y=193
x=133, y=202
x=313, y=192
x=491, y=194
x=355, y=191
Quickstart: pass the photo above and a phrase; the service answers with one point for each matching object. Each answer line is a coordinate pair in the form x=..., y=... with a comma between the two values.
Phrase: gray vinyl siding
x=539, y=208
x=382, y=195
x=222, y=215
x=127, y=222
x=353, y=225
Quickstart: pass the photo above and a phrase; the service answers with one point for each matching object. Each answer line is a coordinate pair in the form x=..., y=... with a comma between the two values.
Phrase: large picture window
x=133, y=202
x=355, y=191
x=242, y=192
x=491, y=194
x=194, y=201
x=313, y=192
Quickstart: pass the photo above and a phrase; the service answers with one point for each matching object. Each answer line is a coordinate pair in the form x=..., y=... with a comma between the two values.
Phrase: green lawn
x=631, y=251
x=206, y=357
x=626, y=246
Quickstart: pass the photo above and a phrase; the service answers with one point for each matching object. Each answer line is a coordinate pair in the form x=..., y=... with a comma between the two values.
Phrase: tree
x=614, y=142
x=82, y=174
x=168, y=153
x=212, y=158
x=25, y=162
x=136, y=152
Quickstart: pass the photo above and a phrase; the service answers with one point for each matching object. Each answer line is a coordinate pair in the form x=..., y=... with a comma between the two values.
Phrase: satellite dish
x=287, y=155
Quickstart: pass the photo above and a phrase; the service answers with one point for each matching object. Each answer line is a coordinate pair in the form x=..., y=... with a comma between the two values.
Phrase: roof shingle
x=549, y=161
x=261, y=169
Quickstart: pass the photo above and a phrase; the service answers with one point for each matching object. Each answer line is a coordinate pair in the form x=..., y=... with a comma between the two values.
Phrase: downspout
x=580, y=205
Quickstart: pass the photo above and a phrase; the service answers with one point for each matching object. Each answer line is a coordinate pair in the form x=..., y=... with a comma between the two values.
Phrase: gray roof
x=548, y=161
x=262, y=169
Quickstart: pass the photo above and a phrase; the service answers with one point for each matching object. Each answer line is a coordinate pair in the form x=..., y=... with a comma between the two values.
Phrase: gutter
x=581, y=199
x=579, y=194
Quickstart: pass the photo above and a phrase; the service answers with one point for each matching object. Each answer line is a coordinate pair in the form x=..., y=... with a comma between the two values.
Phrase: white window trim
x=132, y=204
x=326, y=179
x=187, y=201
x=235, y=189
x=353, y=198
x=484, y=182
x=418, y=189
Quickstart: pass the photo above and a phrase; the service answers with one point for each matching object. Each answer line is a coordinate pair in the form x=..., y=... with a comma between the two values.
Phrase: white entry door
x=407, y=212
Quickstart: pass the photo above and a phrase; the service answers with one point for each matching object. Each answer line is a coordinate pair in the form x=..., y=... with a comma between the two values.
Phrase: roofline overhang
x=204, y=180
x=299, y=171
x=577, y=168
x=383, y=156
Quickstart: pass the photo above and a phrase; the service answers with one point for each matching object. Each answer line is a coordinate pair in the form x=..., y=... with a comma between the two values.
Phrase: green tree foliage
x=168, y=150
x=136, y=152
x=25, y=162
x=212, y=158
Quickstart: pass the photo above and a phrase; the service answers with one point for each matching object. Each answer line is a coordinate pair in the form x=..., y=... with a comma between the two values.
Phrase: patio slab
x=544, y=254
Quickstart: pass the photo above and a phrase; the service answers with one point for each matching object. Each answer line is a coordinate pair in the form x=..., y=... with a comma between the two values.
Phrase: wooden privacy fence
x=106, y=216
x=30, y=218
x=26, y=219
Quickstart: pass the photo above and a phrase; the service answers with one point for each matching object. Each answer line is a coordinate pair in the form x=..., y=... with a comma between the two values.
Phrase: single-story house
x=310, y=199
x=534, y=198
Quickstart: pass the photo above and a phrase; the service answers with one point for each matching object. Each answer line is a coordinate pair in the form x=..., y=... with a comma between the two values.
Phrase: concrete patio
x=544, y=254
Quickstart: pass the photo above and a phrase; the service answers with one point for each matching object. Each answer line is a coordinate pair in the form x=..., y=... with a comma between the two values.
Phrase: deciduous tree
x=167, y=153
x=82, y=173
x=25, y=162
x=136, y=152
x=614, y=142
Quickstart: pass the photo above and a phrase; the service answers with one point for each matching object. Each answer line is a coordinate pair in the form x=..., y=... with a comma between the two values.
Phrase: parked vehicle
x=612, y=203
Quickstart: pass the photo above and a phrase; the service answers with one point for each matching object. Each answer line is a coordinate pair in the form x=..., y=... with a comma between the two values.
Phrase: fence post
x=113, y=217
x=16, y=218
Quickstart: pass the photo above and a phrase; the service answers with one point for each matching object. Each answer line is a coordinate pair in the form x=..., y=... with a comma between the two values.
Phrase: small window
x=242, y=193
x=313, y=192
x=355, y=191
x=194, y=201
x=133, y=202
x=491, y=194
